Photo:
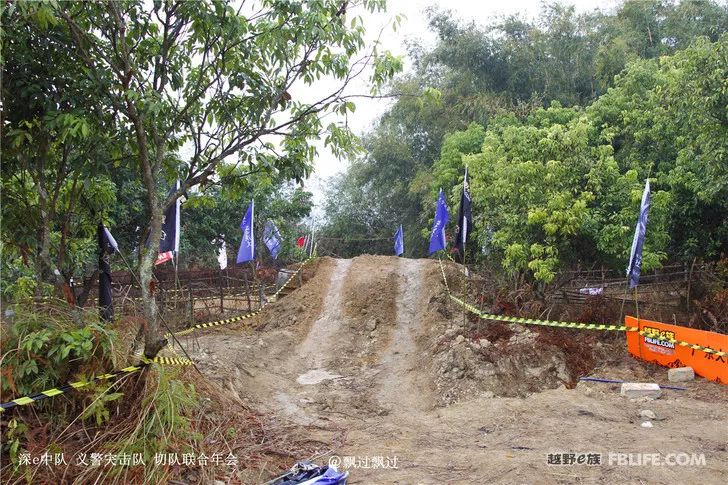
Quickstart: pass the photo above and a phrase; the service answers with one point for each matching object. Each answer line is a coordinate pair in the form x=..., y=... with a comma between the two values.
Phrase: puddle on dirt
x=316, y=376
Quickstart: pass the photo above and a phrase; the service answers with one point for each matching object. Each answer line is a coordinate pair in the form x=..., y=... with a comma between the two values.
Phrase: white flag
x=222, y=257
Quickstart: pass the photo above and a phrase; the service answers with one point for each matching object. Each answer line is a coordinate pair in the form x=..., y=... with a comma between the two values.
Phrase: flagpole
x=177, y=228
x=464, y=234
x=465, y=220
x=624, y=299
x=443, y=228
x=177, y=283
x=635, y=257
x=639, y=325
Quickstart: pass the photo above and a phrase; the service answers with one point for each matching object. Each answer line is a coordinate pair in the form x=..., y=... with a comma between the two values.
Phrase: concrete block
x=636, y=390
x=681, y=374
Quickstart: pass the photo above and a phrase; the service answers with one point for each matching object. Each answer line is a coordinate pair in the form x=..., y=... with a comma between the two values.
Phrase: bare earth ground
x=371, y=360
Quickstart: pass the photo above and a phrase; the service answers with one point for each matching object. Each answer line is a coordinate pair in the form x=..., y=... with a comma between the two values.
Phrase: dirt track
x=356, y=358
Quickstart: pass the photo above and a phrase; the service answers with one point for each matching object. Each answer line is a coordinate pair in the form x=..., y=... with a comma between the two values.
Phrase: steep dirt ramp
x=320, y=343
x=371, y=359
x=357, y=320
x=250, y=364
x=370, y=306
x=403, y=387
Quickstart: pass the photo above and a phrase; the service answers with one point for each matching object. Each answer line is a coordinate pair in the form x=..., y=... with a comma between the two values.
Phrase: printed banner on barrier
x=659, y=342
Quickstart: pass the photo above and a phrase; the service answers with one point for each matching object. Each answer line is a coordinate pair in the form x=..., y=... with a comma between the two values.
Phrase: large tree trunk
x=154, y=341
x=46, y=271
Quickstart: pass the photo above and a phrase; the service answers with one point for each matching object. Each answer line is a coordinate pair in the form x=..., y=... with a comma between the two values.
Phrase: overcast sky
x=414, y=28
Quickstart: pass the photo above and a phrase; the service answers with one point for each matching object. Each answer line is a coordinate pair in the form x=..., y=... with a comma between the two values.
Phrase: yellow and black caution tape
x=246, y=316
x=217, y=323
x=547, y=323
x=581, y=326
x=169, y=360
x=144, y=362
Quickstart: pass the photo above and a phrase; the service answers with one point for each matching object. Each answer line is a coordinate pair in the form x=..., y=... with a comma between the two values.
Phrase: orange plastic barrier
x=659, y=343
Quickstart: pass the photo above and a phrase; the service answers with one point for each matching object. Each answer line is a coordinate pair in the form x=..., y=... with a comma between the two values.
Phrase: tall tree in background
x=515, y=66
x=58, y=145
x=228, y=84
x=561, y=188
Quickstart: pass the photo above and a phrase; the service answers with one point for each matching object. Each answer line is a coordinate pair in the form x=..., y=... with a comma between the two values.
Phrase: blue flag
x=635, y=256
x=437, y=238
x=247, y=245
x=272, y=238
x=399, y=241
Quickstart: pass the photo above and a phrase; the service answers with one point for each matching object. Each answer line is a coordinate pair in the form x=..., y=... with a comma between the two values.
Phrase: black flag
x=465, y=221
x=169, y=241
x=107, y=246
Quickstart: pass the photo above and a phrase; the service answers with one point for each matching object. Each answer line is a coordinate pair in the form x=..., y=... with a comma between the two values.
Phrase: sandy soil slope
x=371, y=360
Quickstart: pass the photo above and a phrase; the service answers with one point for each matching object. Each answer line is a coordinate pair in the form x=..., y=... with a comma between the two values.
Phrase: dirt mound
x=370, y=358
x=369, y=297
x=360, y=316
x=473, y=357
x=301, y=306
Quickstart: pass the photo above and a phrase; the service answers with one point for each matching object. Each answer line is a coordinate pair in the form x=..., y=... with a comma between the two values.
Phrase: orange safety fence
x=668, y=346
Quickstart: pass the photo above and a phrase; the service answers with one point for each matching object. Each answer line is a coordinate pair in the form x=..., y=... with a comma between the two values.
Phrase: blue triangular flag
x=247, y=245
x=437, y=237
x=399, y=241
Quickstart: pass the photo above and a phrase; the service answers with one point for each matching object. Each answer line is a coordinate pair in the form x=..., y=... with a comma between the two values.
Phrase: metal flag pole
x=465, y=224
x=464, y=235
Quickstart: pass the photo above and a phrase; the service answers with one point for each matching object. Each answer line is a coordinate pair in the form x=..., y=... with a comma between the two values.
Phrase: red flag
x=164, y=257
x=301, y=241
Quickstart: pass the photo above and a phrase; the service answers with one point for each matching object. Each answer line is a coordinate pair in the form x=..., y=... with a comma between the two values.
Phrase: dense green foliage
x=560, y=122
x=56, y=153
x=562, y=186
x=111, y=102
x=104, y=106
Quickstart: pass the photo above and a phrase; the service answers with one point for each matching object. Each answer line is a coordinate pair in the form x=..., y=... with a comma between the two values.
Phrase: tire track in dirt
x=400, y=391
x=370, y=329
x=308, y=367
x=357, y=320
x=320, y=341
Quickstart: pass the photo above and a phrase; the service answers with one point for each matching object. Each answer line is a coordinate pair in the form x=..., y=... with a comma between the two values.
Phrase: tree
x=669, y=117
x=547, y=195
x=561, y=187
x=647, y=29
x=57, y=148
x=513, y=66
x=227, y=84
